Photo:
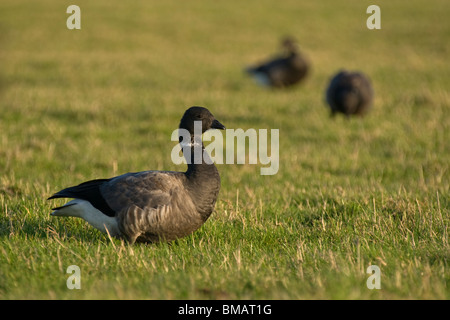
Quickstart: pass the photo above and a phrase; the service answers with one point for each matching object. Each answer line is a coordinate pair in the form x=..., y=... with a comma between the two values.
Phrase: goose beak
x=217, y=125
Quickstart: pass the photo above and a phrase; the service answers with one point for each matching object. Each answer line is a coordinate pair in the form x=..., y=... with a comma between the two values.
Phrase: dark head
x=289, y=44
x=194, y=114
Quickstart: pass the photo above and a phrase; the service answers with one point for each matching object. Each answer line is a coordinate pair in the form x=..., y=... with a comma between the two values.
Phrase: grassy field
x=101, y=101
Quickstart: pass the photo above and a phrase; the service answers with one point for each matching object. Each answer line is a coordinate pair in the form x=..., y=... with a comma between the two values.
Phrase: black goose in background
x=349, y=93
x=151, y=206
x=285, y=70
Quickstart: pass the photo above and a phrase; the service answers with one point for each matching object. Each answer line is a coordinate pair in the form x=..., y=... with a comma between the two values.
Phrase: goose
x=350, y=93
x=152, y=206
x=282, y=71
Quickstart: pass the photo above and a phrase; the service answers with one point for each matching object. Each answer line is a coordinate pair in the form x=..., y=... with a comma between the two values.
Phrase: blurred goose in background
x=350, y=93
x=151, y=206
x=283, y=71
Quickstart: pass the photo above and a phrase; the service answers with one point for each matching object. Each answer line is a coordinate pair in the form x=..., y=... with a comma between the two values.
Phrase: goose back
x=349, y=93
x=151, y=206
x=285, y=70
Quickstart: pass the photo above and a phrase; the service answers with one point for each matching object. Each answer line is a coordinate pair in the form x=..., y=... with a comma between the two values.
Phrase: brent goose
x=282, y=71
x=152, y=206
x=350, y=93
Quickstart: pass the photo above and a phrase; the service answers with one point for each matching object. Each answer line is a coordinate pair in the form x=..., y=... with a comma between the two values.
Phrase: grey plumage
x=151, y=206
x=350, y=93
x=285, y=70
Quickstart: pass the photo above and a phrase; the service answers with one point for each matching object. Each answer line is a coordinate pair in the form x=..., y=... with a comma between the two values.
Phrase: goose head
x=199, y=114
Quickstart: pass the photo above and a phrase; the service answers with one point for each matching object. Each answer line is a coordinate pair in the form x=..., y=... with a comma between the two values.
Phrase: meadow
x=350, y=193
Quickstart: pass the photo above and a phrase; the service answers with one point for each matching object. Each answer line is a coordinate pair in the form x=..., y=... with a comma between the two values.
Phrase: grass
x=101, y=101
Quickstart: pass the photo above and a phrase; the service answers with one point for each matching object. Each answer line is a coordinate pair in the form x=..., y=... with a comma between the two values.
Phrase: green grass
x=101, y=101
